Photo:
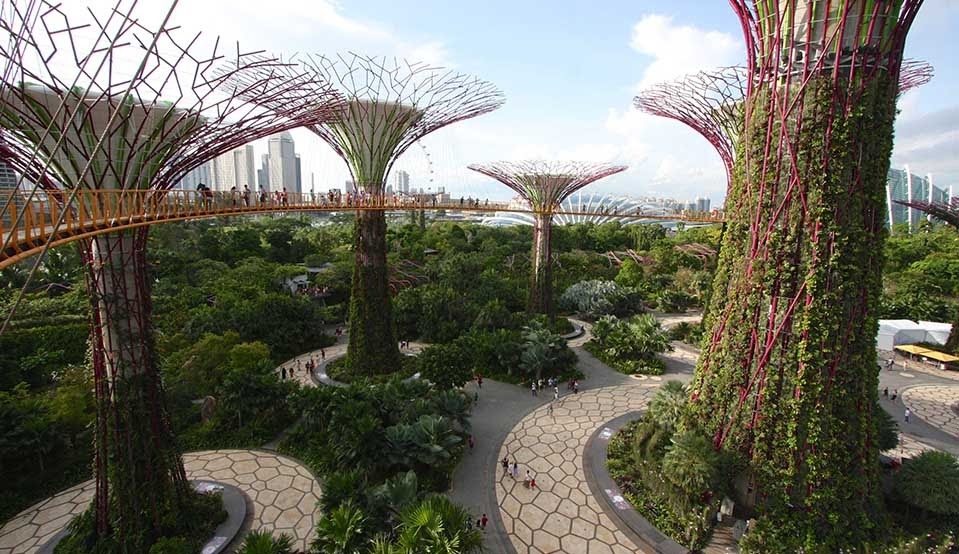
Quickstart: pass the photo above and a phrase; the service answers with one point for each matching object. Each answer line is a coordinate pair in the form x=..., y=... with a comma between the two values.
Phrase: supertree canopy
x=390, y=105
x=709, y=102
x=76, y=115
x=788, y=375
x=545, y=185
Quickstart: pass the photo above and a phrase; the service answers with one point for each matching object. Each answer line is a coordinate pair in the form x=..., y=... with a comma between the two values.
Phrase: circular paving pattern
x=935, y=404
x=283, y=492
x=561, y=515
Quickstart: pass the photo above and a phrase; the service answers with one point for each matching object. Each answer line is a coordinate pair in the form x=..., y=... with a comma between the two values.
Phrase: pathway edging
x=629, y=521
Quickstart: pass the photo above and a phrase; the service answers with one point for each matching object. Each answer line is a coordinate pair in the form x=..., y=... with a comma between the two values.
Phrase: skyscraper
x=283, y=163
x=702, y=204
x=234, y=169
x=8, y=185
x=402, y=182
x=299, y=174
x=263, y=174
x=200, y=174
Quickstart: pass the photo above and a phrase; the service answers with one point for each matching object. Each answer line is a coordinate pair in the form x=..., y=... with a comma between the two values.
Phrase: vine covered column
x=789, y=376
x=139, y=474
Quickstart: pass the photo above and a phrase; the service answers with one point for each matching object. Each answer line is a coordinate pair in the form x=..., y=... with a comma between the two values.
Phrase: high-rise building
x=299, y=174
x=282, y=163
x=234, y=169
x=702, y=204
x=263, y=174
x=201, y=174
x=8, y=186
x=401, y=182
x=902, y=185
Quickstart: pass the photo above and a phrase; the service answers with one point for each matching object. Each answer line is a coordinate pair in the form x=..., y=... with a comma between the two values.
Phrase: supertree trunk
x=541, y=282
x=789, y=376
x=372, y=342
x=139, y=473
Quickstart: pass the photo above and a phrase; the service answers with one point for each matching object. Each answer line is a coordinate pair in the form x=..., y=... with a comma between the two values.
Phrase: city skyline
x=569, y=94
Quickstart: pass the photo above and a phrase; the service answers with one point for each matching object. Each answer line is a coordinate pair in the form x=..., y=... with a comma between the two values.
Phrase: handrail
x=95, y=212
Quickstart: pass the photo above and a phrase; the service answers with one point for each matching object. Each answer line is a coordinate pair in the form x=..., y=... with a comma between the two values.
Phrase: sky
x=569, y=70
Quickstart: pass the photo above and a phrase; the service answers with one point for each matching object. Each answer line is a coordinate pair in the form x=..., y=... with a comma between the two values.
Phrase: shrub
x=263, y=542
x=930, y=482
x=594, y=299
x=691, y=464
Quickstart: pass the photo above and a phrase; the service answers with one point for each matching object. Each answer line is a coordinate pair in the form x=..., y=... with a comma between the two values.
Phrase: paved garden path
x=282, y=497
x=937, y=405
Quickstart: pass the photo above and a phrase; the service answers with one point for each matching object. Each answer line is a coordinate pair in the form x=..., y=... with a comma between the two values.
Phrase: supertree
x=544, y=185
x=390, y=105
x=79, y=116
x=788, y=375
x=711, y=103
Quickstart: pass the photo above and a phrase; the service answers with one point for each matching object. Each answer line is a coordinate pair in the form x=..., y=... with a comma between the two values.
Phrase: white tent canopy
x=893, y=332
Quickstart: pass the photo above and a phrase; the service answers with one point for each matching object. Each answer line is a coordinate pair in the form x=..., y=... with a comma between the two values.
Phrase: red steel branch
x=711, y=103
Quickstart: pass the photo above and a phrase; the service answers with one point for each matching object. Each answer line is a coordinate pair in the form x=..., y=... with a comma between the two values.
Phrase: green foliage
x=252, y=404
x=691, y=463
x=341, y=531
x=263, y=542
x=888, y=430
x=32, y=355
x=635, y=459
x=687, y=332
x=630, y=345
x=930, y=482
x=44, y=440
x=184, y=528
x=544, y=353
x=667, y=407
x=594, y=299
x=444, y=365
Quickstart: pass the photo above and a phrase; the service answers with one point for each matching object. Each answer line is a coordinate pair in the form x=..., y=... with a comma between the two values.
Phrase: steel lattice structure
x=947, y=212
x=545, y=185
x=76, y=117
x=391, y=104
x=788, y=376
x=711, y=103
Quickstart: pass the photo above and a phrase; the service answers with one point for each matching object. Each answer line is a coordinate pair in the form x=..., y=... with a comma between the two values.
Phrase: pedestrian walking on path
x=505, y=464
x=889, y=363
x=283, y=373
x=575, y=387
x=471, y=443
x=515, y=470
x=533, y=388
x=907, y=415
x=895, y=393
x=550, y=409
x=885, y=392
x=479, y=380
x=483, y=522
x=555, y=394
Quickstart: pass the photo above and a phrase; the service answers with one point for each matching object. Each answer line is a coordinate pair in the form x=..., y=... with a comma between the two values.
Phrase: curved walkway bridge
x=28, y=227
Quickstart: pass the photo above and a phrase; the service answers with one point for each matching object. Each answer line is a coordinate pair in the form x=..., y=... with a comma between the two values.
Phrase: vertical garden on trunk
x=788, y=375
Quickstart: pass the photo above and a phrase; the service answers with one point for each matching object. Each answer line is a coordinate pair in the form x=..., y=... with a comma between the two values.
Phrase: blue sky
x=569, y=70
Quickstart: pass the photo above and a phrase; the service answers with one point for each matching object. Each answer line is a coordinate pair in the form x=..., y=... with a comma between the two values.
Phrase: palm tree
x=690, y=463
x=666, y=408
x=263, y=542
x=341, y=531
x=648, y=336
x=436, y=526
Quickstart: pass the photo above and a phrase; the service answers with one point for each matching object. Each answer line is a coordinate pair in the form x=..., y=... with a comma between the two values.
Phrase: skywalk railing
x=27, y=226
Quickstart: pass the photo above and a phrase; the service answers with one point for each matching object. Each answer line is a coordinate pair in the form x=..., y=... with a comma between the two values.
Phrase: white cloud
x=678, y=50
